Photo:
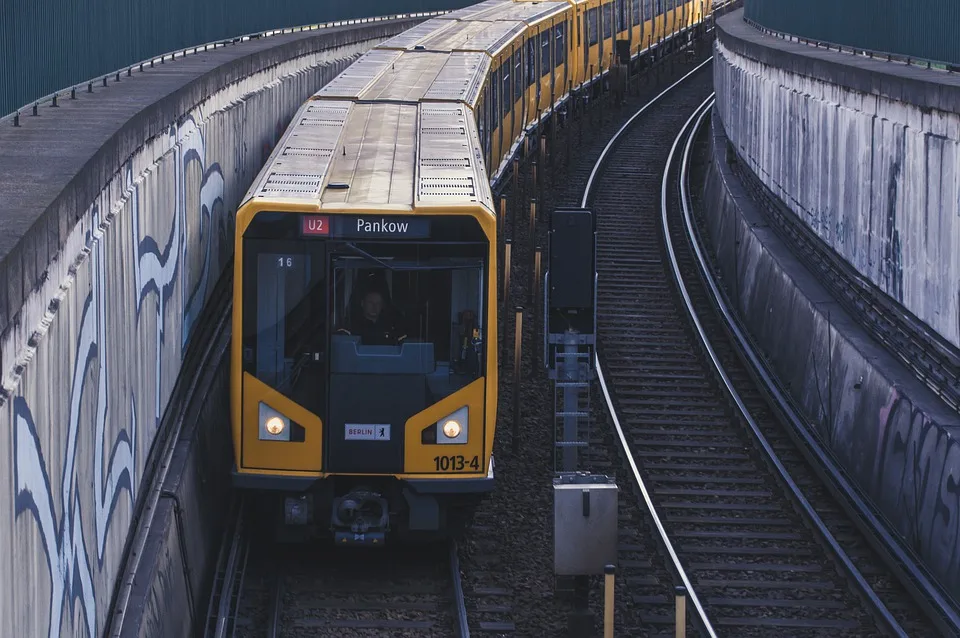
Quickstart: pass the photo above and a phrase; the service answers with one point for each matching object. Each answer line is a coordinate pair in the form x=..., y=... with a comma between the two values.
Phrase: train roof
x=411, y=76
x=395, y=130
x=487, y=26
x=392, y=156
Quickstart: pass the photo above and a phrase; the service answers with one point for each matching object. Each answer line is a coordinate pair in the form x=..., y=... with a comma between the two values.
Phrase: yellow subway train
x=364, y=355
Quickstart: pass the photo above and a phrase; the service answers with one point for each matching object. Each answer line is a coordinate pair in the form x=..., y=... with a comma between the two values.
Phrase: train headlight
x=451, y=429
x=273, y=425
x=454, y=427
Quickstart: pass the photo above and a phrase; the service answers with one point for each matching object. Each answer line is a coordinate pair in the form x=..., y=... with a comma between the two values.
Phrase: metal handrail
x=193, y=50
x=664, y=538
x=852, y=50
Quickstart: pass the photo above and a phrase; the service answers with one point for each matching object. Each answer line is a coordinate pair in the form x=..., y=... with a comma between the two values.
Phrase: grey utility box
x=584, y=523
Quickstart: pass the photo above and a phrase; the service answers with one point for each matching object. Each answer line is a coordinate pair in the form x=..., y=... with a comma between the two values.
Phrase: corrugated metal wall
x=48, y=45
x=924, y=29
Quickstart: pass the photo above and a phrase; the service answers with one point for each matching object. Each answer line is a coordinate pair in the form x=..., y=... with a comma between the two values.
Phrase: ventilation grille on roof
x=316, y=121
x=308, y=152
x=440, y=162
x=291, y=184
x=448, y=187
x=444, y=130
x=444, y=110
x=334, y=111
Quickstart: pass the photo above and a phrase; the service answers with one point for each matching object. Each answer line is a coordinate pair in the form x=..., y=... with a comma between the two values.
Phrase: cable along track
x=760, y=563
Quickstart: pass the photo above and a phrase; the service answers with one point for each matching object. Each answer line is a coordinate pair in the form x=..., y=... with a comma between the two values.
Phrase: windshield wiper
x=367, y=255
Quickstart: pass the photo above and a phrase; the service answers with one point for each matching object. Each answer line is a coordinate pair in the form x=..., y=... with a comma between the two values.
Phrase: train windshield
x=331, y=310
x=409, y=309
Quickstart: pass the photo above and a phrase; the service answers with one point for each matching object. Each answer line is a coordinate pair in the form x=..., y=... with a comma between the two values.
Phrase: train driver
x=374, y=326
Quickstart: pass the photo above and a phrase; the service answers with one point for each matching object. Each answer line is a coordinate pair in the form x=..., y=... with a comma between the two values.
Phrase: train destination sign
x=365, y=226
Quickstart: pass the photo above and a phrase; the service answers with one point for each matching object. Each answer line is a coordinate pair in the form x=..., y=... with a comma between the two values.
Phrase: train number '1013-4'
x=456, y=463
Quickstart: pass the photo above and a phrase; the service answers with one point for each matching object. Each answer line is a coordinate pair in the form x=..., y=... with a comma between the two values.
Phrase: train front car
x=364, y=354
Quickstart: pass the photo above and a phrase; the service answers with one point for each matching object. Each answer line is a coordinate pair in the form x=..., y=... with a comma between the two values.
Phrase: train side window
x=505, y=80
x=579, y=33
x=545, y=52
x=494, y=99
x=531, y=60
x=608, y=21
x=593, y=26
x=561, y=47
x=636, y=12
x=648, y=9
x=659, y=7
x=517, y=74
x=621, y=15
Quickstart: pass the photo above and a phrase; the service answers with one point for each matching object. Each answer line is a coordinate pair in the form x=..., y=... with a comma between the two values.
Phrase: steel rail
x=862, y=512
x=678, y=569
x=459, y=600
x=232, y=571
x=808, y=510
x=588, y=191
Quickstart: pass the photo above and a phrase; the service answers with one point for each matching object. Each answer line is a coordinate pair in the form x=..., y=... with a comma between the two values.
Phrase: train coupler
x=360, y=517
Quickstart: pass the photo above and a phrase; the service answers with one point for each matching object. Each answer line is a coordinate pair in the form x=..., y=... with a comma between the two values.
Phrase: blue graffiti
x=113, y=470
x=71, y=575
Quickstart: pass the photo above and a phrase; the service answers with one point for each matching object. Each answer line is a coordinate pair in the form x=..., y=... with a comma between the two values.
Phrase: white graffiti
x=114, y=466
x=71, y=576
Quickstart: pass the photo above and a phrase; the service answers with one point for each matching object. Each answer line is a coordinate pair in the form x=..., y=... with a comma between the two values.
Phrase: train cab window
x=561, y=44
x=545, y=66
x=593, y=26
x=607, y=21
x=410, y=309
x=635, y=10
x=284, y=310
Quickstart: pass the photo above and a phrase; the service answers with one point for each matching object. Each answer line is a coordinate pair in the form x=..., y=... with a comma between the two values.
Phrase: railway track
x=761, y=559
x=314, y=589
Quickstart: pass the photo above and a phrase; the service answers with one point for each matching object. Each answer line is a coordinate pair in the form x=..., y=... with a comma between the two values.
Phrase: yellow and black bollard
x=517, y=352
x=506, y=273
x=681, y=593
x=532, y=223
x=608, y=591
x=536, y=309
x=501, y=233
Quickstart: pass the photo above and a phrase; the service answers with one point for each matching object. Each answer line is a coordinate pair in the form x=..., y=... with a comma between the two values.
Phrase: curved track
x=727, y=506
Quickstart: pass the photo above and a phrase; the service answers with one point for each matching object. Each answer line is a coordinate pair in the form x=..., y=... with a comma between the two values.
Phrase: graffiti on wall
x=113, y=469
x=918, y=472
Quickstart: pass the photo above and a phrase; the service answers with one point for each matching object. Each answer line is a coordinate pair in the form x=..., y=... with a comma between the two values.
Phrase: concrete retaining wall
x=112, y=271
x=169, y=594
x=894, y=437
x=865, y=152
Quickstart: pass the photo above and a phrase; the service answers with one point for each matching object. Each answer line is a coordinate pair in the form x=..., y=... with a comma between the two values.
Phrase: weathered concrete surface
x=170, y=587
x=865, y=152
x=890, y=432
x=116, y=222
